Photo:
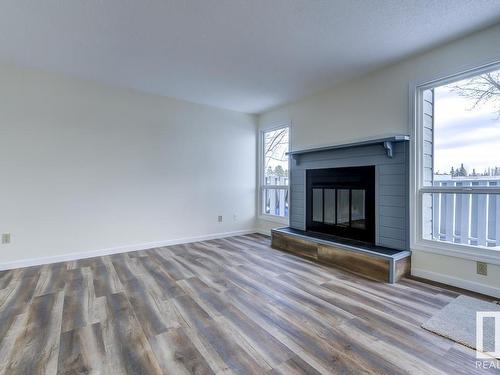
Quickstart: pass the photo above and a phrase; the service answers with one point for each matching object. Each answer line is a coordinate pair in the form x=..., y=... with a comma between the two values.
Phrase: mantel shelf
x=387, y=142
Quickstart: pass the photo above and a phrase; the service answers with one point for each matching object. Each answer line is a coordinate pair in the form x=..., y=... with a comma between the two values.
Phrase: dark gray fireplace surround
x=390, y=158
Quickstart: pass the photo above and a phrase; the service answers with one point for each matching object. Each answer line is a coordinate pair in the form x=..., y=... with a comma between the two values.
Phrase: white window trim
x=260, y=171
x=417, y=189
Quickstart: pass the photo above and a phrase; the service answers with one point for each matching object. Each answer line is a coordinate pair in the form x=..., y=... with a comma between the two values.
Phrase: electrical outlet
x=219, y=219
x=482, y=268
x=5, y=238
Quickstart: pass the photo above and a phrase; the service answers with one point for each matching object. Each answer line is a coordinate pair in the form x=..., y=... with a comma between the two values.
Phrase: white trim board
x=116, y=250
x=457, y=282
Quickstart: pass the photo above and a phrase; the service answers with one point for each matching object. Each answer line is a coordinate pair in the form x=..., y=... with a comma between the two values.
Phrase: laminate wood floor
x=223, y=306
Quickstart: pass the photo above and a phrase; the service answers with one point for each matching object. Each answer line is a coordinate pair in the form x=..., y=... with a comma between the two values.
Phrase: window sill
x=477, y=254
x=274, y=219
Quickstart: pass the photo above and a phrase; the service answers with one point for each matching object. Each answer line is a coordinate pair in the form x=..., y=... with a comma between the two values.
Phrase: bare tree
x=482, y=89
x=276, y=146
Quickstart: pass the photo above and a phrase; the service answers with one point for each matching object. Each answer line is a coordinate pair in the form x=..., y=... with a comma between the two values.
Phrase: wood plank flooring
x=228, y=306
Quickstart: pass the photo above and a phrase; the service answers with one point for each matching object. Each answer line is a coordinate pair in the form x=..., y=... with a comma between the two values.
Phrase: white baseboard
x=457, y=282
x=116, y=250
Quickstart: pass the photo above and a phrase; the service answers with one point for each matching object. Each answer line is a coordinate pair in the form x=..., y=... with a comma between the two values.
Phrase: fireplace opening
x=341, y=202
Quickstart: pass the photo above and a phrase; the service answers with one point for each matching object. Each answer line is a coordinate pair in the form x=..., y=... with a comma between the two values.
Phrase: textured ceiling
x=245, y=55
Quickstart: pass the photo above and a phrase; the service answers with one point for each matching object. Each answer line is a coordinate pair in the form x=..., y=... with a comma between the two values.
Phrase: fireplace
x=349, y=207
x=341, y=202
x=378, y=167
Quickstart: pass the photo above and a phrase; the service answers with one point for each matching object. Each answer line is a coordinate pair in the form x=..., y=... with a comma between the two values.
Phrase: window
x=274, y=175
x=458, y=162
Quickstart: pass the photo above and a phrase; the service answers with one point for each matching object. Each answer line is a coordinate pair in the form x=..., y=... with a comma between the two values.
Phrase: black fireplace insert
x=341, y=202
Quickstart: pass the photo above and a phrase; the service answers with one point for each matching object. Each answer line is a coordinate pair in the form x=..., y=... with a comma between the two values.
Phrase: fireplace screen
x=340, y=201
x=348, y=205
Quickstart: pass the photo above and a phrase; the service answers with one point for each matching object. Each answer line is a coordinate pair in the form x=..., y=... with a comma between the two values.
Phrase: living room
x=249, y=187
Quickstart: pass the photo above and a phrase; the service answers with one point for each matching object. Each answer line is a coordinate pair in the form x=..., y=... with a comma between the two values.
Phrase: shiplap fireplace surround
x=389, y=157
x=375, y=168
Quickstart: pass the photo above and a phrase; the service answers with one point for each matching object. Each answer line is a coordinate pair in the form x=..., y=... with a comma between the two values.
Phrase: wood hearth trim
x=381, y=267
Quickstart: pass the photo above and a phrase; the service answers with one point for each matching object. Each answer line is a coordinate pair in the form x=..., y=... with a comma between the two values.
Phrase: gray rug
x=457, y=321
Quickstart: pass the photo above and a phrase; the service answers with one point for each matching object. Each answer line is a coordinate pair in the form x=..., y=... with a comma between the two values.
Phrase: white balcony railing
x=472, y=219
x=275, y=197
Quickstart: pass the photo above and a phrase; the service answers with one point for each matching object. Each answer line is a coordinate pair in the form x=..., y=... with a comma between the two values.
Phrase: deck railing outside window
x=471, y=219
x=275, y=200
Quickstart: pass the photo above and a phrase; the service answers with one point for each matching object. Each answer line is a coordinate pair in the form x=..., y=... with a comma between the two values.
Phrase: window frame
x=261, y=179
x=417, y=187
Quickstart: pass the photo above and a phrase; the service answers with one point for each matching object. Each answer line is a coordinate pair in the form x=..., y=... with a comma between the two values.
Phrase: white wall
x=88, y=167
x=377, y=104
x=264, y=226
x=456, y=271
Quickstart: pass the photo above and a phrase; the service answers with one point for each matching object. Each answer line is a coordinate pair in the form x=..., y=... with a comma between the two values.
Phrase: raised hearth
x=349, y=206
x=375, y=262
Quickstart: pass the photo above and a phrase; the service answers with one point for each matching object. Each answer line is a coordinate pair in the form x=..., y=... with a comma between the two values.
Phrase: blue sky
x=464, y=133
